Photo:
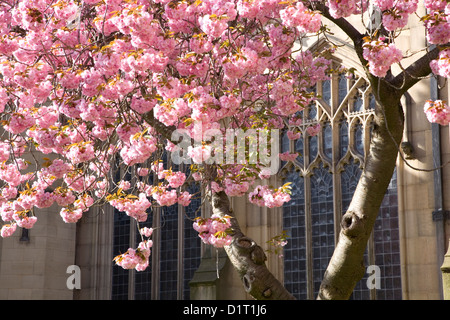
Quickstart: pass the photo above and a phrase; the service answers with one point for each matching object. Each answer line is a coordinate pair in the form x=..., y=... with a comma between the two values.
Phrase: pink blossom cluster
x=441, y=65
x=396, y=12
x=8, y=230
x=214, y=230
x=137, y=258
x=71, y=215
x=287, y=156
x=135, y=207
x=81, y=152
x=16, y=216
x=300, y=17
x=381, y=56
x=264, y=196
x=437, y=112
x=165, y=197
x=175, y=179
x=292, y=135
x=345, y=8
x=313, y=130
x=139, y=149
x=312, y=69
x=437, y=21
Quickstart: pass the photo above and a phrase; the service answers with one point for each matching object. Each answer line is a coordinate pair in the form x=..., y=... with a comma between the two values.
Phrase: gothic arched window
x=324, y=178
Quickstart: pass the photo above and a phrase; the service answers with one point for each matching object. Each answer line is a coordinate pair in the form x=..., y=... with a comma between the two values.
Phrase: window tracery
x=324, y=177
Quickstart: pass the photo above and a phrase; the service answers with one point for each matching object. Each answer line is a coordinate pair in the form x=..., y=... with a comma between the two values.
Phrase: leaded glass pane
x=359, y=138
x=313, y=148
x=295, y=250
x=372, y=102
x=387, y=245
x=358, y=104
x=312, y=112
x=169, y=253
x=326, y=91
x=299, y=149
x=327, y=140
x=285, y=142
x=349, y=180
x=343, y=138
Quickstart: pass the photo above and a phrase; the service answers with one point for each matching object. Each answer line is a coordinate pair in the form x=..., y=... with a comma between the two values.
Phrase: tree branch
x=348, y=28
x=415, y=72
x=342, y=23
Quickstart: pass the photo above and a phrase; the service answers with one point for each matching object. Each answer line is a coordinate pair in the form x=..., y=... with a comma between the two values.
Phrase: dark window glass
x=295, y=250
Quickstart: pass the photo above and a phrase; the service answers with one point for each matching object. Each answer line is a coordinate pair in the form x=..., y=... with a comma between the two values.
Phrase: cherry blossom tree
x=89, y=84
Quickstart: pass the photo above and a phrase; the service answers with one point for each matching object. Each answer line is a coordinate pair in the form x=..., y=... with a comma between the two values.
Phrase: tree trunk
x=346, y=267
x=248, y=258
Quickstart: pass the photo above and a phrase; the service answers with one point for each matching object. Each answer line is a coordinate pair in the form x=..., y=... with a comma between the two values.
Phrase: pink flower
x=293, y=136
x=135, y=258
x=184, y=199
x=20, y=121
x=10, y=174
x=175, y=179
x=300, y=17
x=3, y=99
x=84, y=202
x=63, y=197
x=295, y=121
x=139, y=150
x=71, y=215
x=199, y=153
x=146, y=232
x=81, y=152
x=313, y=130
x=58, y=168
x=24, y=221
x=142, y=172
x=4, y=151
x=44, y=199
x=214, y=230
x=125, y=185
x=158, y=168
x=342, y=8
x=197, y=176
x=8, y=230
x=441, y=66
x=213, y=27
x=381, y=56
x=263, y=196
x=9, y=192
x=165, y=197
